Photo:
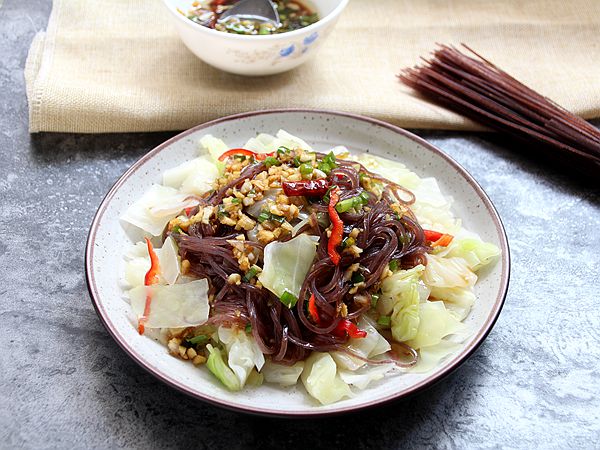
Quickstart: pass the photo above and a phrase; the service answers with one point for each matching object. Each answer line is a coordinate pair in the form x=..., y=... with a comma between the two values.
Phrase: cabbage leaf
x=321, y=380
x=392, y=170
x=372, y=345
x=400, y=297
x=281, y=374
x=156, y=208
x=475, y=252
x=172, y=306
x=243, y=353
x=435, y=323
x=457, y=300
x=192, y=177
x=362, y=377
x=169, y=261
x=448, y=272
x=219, y=368
x=430, y=357
x=286, y=264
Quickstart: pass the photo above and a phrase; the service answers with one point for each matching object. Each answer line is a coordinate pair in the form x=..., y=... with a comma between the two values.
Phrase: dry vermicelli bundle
x=476, y=88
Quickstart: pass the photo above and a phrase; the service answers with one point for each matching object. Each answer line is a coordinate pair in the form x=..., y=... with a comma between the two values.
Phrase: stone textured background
x=64, y=383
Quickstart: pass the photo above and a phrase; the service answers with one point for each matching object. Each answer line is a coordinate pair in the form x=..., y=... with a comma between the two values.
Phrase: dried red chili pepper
x=311, y=188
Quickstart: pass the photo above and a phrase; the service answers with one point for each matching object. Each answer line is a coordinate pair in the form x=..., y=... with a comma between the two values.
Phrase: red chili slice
x=346, y=326
x=150, y=278
x=243, y=151
x=337, y=232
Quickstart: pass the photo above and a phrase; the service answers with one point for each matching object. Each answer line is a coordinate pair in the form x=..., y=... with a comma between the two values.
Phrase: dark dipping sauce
x=293, y=15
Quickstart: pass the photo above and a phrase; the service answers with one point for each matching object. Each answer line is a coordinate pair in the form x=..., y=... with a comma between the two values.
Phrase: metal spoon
x=259, y=10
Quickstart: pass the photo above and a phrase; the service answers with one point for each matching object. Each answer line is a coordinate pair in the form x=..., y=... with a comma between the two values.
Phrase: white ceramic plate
x=323, y=130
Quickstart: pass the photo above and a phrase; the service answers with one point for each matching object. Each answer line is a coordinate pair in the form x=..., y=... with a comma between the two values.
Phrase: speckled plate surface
x=321, y=129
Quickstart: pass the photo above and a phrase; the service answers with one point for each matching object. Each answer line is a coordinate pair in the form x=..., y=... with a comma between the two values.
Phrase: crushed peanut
x=234, y=278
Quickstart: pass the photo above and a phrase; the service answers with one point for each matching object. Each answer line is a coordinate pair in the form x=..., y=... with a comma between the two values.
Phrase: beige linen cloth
x=118, y=65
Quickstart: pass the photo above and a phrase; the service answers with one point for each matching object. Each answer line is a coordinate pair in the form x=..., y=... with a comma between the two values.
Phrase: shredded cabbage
x=138, y=263
x=281, y=374
x=372, y=345
x=266, y=143
x=174, y=306
x=430, y=357
x=362, y=377
x=433, y=209
x=194, y=177
x=221, y=370
x=448, y=272
x=474, y=251
x=457, y=300
x=243, y=353
x=392, y=170
x=400, y=298
x=216, y=147
x=286, y=264
x=149, y=212
x=435, y=323
x=168, y=258
x=321, y=380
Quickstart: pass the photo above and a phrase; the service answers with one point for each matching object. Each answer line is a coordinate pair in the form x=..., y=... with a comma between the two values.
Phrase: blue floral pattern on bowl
x=310, y=39
x=287, y=51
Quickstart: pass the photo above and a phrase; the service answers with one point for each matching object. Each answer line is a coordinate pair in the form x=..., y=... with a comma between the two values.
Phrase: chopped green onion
x=352, y=203
x=394, y=265
x=364, y=196
x=345, y=205
x=283, y=150
x=236, y=201
x=306, y=169
x=384, y=321
x=271, y=161
x=330, y=159
x=374, y=300
x=288, y=299
x=266, y=215
x=221, y=211
x=176, y=229
x=248, y=328
x=328, y=163
x=357, y=277
x=200, y=339
x=277, y=219
x=348, y=242
x=263, y=216
x=264, y=29
x=251, y=273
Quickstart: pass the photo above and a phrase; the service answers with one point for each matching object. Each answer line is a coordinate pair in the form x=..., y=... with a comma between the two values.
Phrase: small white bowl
x=255, y=55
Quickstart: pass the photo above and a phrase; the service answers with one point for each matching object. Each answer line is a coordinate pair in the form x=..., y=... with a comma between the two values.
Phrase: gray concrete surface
x=65, y=384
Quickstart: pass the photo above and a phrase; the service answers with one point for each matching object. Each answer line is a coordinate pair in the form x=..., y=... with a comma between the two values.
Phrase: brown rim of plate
x=454, y=363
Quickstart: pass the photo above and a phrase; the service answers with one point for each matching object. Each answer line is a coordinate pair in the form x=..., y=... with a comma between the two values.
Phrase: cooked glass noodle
x=288, y=334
